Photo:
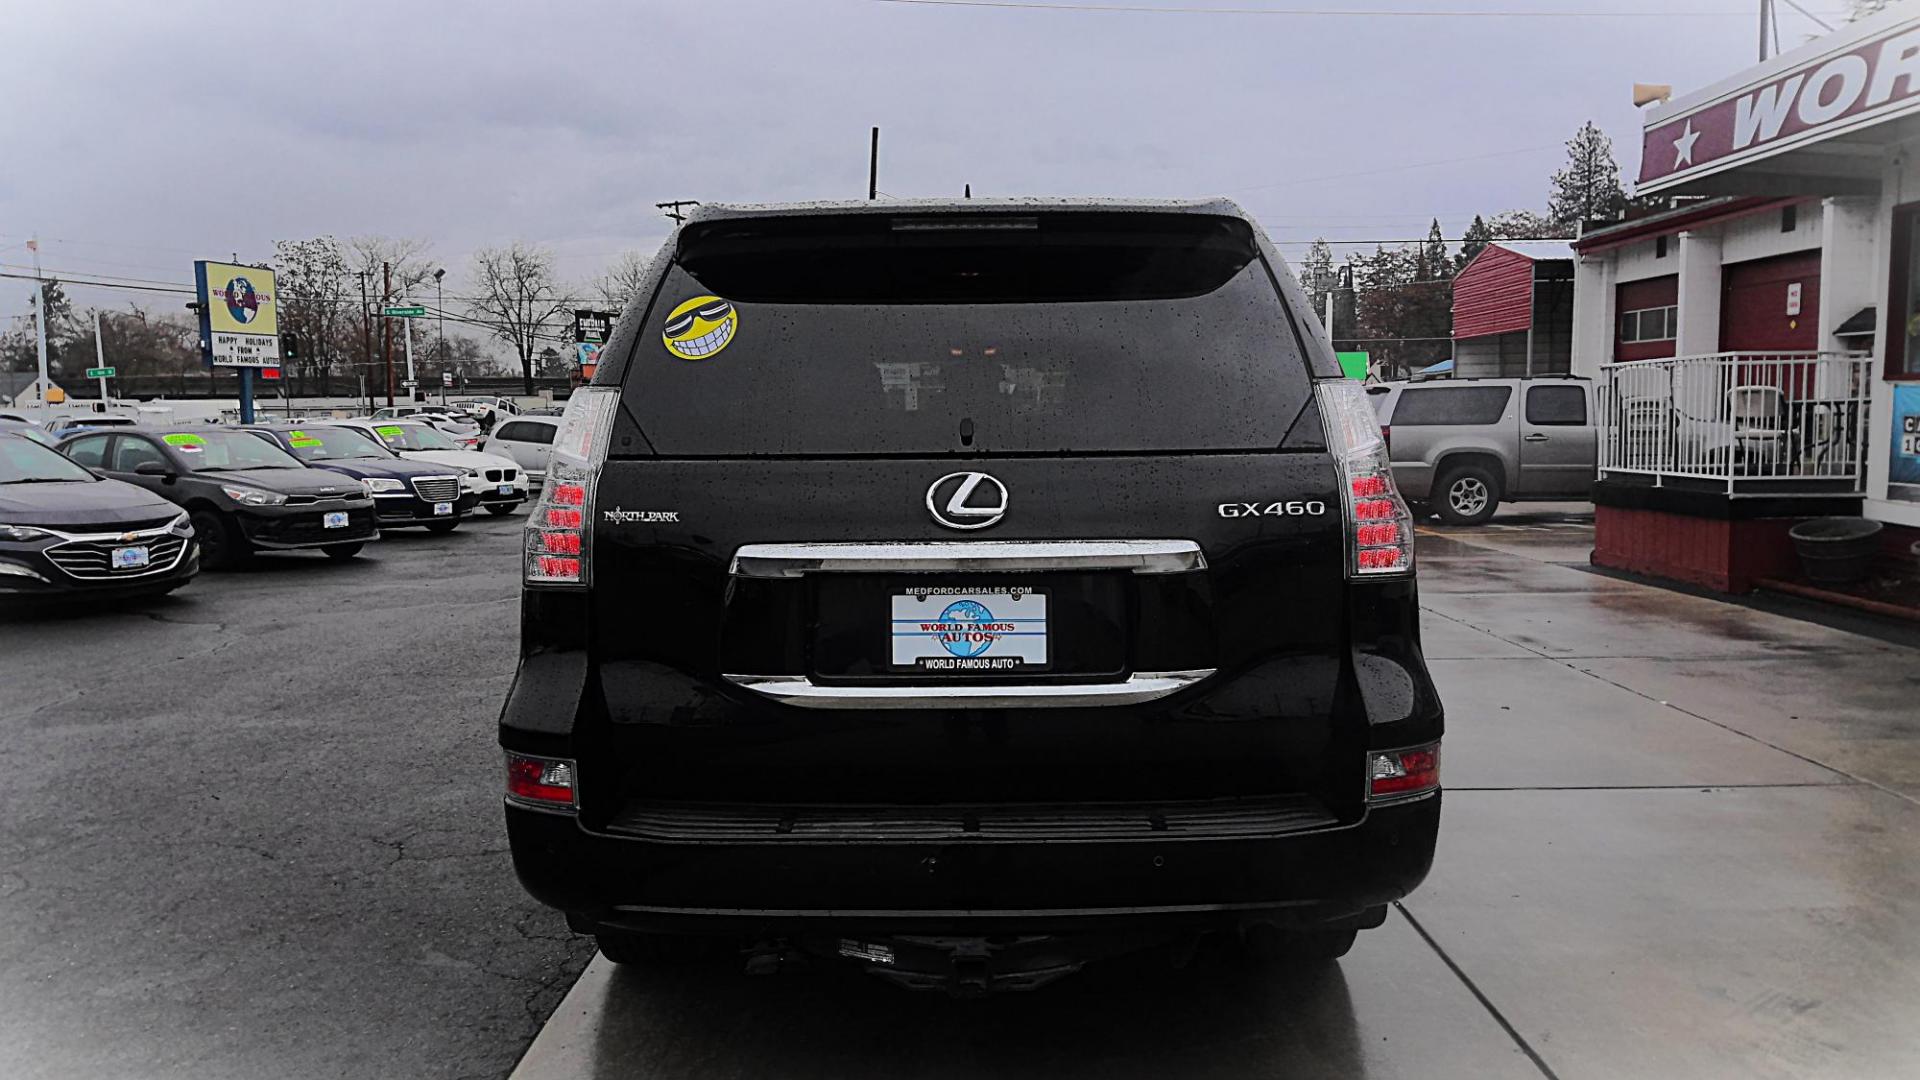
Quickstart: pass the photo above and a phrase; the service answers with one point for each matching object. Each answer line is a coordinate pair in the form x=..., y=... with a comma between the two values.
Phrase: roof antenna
x=969, y=191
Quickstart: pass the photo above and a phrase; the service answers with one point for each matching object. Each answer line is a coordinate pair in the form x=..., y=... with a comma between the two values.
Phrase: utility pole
x=40, y=323
x=1766, y=10
x=386, y=326
x=672, y=208
x=366, y=341
x=100, y=357
x=873, y=167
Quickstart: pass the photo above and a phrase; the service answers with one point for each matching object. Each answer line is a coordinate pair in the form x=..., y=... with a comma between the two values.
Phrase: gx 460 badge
x=1291, y=508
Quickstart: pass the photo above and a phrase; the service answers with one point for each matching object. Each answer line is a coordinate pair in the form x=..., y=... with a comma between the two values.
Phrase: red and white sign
x=1850, y=85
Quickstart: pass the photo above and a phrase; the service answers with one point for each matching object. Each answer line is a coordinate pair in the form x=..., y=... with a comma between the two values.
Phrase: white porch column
x=1594, y=315
x=1849, y=263
x=1699, y=265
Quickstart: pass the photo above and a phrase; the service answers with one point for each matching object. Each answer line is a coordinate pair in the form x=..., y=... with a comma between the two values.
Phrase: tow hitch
x=962, y=966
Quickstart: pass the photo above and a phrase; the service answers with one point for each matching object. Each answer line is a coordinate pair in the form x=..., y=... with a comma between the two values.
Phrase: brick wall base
x=1726, y=556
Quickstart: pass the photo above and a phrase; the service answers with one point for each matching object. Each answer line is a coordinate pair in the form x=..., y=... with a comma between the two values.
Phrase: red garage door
x=1757, y=309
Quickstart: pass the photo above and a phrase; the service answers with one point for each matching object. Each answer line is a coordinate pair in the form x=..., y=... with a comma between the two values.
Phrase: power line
x=1333, y=13
x=1818, y=21
x=1395, y=168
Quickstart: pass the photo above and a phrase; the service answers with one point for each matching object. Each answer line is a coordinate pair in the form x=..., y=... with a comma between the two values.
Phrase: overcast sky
x=139, y=136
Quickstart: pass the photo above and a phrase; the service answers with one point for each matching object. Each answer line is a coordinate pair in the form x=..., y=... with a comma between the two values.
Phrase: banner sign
x=1855, y=79
x=1903, y=465
x=239, y=315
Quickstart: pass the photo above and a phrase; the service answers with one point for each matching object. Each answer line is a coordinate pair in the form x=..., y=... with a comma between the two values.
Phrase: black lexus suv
x=970, y=590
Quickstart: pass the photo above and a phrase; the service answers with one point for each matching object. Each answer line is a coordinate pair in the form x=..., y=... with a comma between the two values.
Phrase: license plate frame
x=505, y=489
x=335, y=519
x=933, y=630
x=442, y=509
x=132, y=557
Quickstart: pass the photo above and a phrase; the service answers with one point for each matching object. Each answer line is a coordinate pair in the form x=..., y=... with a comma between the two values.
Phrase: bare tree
x=314, y=306
x=622, y=278
x=514, y=295
x=1863, y=8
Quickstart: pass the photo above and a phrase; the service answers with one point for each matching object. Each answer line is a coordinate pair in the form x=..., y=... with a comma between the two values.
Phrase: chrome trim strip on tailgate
x=1139, y=556
x=804, y=692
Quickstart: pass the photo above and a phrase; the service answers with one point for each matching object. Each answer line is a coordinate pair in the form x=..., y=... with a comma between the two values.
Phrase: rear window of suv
x=1452, y=405
x=855, y=335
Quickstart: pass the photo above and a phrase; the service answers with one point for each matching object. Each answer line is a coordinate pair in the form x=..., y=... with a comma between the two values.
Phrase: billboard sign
x=239, y=315
x=1903, y=465
x=592, y=327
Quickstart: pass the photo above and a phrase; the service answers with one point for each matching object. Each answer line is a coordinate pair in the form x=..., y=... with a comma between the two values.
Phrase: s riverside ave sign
x=1855, y=80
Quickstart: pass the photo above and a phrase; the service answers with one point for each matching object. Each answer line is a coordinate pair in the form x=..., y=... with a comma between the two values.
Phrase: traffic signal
x=289, y=347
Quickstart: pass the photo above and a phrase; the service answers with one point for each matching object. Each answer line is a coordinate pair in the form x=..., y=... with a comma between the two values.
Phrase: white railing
x=1775, y=423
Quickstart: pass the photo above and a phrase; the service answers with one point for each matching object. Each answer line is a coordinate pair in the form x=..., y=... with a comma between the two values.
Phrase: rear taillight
x=540, y=782
x=1379, y=526
x=1401, y=774
x=559, y=530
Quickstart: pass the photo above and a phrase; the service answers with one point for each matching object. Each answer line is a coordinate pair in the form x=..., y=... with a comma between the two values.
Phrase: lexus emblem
x=967, y=500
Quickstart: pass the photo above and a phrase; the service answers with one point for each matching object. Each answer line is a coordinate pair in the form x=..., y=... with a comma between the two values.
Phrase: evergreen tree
x=1476, y=238
x=1433, y=256
x=1316, y=274
x=1588, y=189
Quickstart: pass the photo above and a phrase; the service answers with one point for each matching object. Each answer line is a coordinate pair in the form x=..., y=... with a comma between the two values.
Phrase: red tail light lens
x=543, y=783
x=1379, y=526
x=1401, y=774
x=558, y=530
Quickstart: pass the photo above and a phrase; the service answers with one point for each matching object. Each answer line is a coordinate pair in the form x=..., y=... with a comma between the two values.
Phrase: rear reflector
x=1400, y=774
x=546, y=783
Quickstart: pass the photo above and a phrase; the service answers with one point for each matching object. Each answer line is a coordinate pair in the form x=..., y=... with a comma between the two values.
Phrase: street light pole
x=440, y=302
x=100, y=357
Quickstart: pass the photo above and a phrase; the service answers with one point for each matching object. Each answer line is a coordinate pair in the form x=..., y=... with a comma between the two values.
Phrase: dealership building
x=1756, y=350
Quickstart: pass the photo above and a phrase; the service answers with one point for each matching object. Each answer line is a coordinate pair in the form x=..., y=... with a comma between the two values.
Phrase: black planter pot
x=1836, y=550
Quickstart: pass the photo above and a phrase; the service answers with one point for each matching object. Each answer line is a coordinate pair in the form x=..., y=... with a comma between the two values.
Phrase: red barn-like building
x=1513, y=311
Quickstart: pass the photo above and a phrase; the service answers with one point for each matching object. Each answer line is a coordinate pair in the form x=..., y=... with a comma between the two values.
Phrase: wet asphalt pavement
x=254, y=832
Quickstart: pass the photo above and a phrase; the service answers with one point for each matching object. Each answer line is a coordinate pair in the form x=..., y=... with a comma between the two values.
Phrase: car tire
x=502, y=511
x=342, y=552
x=1267, y=946
x=630, y=949
x=1467, y=495
x=222, y=545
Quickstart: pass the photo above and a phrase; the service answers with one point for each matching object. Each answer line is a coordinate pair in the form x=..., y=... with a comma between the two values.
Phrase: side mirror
x=154, y=468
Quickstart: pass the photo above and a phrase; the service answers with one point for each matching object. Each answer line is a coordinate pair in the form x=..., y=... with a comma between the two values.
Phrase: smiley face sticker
x=700, y=327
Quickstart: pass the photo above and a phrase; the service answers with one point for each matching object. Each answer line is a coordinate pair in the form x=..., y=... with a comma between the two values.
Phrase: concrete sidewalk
x=1680, y=840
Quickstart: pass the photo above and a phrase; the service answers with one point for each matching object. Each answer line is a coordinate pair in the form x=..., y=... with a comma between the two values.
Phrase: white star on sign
x=1683, y=146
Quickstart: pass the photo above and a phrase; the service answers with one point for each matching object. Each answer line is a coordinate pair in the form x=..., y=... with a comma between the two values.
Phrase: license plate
x=130, y=558
x=970, y=630
x=335, y=520
x=506, y=489
x=442, y=509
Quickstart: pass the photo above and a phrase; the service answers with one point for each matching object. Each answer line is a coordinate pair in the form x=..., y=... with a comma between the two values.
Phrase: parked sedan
x=66, y=532
x=464, y=428
x=499, y=482
x=10, y=425
x=404, y=493
x=527, y=440
x=244, y=493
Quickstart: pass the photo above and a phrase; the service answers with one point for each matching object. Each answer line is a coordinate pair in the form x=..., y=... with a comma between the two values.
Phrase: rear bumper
x=972, y=887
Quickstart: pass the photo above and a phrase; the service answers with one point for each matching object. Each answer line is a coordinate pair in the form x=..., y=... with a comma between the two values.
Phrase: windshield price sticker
x=192, y=444
x=389, y=431
x=300, y=440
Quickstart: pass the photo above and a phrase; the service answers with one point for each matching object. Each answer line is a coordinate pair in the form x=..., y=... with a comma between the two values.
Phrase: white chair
x=1758, y=428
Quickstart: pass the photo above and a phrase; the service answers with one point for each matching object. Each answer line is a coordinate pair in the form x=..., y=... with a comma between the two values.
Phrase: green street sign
x=402, y=312
x=99, y=373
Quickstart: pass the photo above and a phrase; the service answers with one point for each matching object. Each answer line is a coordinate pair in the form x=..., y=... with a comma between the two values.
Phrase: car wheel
x=443, y=526
x=221, y=543
x=502, y=511
x=1267, y=946
x=342, y=552
x=1467, y=495
x=628, y=948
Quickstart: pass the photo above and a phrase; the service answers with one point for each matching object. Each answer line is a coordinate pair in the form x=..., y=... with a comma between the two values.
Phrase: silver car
x=527, y=440
x=1461, y=447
